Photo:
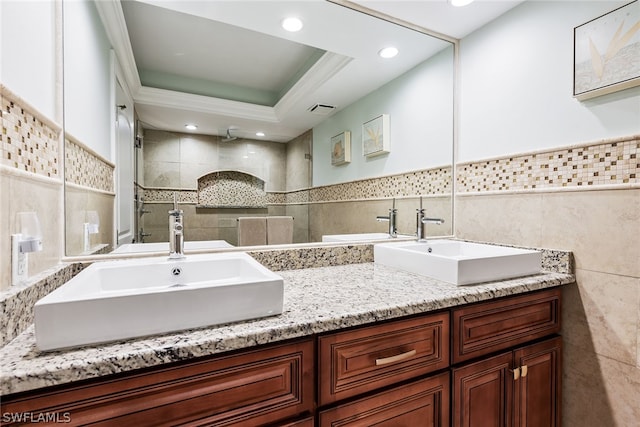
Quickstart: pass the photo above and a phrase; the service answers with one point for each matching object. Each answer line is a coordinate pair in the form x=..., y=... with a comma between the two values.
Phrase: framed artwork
x=605, y=52
x=341, y=148
x=375, y=136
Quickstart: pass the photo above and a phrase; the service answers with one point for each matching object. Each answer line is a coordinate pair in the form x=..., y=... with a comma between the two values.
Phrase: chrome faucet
x=421, y=234
x=393, y=213
x=176, y=231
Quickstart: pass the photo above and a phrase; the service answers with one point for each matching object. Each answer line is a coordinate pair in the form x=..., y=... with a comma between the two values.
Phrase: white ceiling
x=440, y=16
x=229, y=64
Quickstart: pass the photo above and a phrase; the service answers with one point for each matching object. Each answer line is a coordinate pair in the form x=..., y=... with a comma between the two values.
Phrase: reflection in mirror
x=124, y=177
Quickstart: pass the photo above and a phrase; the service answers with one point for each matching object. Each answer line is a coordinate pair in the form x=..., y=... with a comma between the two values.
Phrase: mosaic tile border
x=85, y=168
x=29, y=139
x=614, y=162
x=435, y=181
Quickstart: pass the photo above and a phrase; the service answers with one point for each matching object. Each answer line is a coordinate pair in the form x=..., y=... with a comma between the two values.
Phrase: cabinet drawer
x=252, y=388
x=363, y=359
x=487, y=327
x=421, y=403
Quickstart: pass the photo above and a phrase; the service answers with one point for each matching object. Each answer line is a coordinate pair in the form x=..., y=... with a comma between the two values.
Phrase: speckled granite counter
x=316, y=300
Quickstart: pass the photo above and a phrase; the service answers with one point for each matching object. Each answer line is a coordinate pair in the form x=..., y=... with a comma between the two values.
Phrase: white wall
x=88, y=78
x=28, y=52
x=420, y=108
x=517, y=84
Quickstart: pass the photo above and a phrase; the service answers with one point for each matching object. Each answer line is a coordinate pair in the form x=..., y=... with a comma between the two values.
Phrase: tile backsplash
x=85, y=168
x=612, y=162
x=29, y=143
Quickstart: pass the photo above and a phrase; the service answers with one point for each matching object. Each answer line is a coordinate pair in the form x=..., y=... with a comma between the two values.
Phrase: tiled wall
x=178, y=160
x=344, y=208
x=435, y=181
x=610, y=163
x=85, y=168
x=29, y=141
x=29, y=181
x=90, y=184
x=596, y=215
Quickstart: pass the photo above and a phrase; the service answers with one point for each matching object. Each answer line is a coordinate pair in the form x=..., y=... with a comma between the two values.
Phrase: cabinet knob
x=524, y=370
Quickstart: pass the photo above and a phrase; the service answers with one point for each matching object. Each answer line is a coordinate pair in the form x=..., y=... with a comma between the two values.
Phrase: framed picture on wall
x=605, y=53
x=341, y=148
x=375, y=136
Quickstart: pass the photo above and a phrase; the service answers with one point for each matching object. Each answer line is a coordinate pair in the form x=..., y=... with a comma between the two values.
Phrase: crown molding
x=326, y=67
x=204, y=104
x=115, y=26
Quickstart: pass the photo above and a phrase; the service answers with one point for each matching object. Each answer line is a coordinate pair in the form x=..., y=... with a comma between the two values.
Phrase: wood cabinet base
x=421, y=403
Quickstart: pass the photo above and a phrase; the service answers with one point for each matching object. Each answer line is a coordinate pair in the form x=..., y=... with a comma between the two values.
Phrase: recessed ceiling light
x=388, y=52
x=191, y=126
x=459, y=3
x=259, y=133
x=292, y=24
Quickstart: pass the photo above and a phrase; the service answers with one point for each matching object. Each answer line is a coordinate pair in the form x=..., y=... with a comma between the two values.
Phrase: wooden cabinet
x=537, y=394
x=248, y=389
x=422, y=403
x=498, y=364
x=487, y=327
x=364, y=359
x=520, y=388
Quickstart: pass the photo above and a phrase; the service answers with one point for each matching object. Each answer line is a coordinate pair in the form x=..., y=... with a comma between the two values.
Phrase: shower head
x=229, y=137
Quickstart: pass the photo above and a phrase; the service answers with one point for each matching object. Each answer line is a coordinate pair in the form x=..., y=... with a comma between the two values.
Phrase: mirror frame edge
x=454, y=153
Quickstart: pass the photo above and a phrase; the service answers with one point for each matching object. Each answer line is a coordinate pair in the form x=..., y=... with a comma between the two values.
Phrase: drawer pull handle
x=396, y=358
x=524, y=370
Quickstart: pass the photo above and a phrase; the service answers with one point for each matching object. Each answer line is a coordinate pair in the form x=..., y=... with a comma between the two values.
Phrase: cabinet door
x=250, y=388
x=423, y=403
x=482, y=393
x=537, y=393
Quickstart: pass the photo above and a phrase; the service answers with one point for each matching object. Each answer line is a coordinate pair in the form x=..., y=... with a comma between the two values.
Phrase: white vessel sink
x=360, y=237
x=460, y=263
x=123, y=299
x=131, y=248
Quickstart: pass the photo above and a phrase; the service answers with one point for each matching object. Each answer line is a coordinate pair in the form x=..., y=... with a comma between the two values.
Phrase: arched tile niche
x=231, y=189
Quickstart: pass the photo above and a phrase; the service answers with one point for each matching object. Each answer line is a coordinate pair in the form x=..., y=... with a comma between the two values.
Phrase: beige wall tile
x=600, y=227
x=46, y=200
x=77, y=203
x=297, y=167
x=510, y=218
x=300, y=214
x=198, y=149
x=600, y=314
x=191, y=172
x=5, y=232
x=161, y=148
x=162, y=174
x=598, y=391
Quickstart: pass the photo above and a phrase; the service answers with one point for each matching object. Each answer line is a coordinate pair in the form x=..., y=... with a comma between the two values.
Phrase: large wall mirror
x=313, y=127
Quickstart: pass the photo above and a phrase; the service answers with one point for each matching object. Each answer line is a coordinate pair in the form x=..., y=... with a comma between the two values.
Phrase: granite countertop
x=315, y=300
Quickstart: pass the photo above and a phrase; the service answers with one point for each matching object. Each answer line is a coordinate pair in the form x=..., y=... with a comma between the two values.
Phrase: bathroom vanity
x=358, y=344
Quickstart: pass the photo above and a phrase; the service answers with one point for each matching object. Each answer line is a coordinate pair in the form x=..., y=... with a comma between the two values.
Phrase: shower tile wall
x=29, y=181
x=175, y=162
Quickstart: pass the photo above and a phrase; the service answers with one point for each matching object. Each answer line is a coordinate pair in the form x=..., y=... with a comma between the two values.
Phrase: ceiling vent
x=321, y=109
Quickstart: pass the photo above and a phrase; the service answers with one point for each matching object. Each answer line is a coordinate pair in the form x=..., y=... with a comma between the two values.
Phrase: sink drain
x=176, y=271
